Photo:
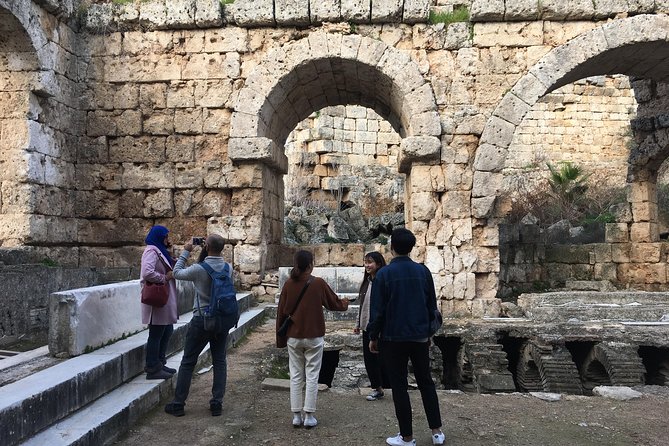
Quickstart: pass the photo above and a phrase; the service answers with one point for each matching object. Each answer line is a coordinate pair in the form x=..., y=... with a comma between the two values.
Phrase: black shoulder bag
x=283, y=329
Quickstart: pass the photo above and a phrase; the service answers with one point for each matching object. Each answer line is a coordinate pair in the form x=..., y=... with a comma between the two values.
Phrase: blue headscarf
x=156, y=237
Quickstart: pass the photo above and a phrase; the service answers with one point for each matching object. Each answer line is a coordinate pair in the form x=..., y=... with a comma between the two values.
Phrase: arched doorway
x=39, y=121
x=615, y=48
x=303, y=77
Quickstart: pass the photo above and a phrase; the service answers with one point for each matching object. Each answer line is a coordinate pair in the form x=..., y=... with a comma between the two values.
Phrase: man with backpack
x=215, y=312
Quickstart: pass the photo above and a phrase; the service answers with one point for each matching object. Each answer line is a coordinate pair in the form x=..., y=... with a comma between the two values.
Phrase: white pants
x=304, y=360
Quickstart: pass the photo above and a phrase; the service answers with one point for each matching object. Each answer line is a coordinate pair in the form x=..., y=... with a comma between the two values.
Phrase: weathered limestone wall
x=38, y=121
x=25, y=291
x=350, y=152
x=177, y=112
x=587, y=123
x=531, y=262
x=164, y=14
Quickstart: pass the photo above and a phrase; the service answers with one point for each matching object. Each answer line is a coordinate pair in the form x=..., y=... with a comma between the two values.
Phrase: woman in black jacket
x=373, y=261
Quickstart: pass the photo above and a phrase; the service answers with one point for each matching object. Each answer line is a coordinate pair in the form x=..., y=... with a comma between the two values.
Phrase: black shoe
x=169, y=370
x=216, y=409
x=160, y=374
x=175, y=409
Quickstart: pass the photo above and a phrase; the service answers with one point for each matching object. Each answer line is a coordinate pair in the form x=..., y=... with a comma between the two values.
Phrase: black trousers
x=375, y=372
x=395, y=357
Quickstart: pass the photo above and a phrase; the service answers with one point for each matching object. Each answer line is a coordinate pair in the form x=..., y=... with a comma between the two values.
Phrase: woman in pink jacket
x=157, y=266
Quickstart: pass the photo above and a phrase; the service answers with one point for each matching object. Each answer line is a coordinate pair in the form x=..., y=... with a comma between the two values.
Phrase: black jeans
x=196, y=341
x=375, y=373
x=395, y=357
x=156, y=347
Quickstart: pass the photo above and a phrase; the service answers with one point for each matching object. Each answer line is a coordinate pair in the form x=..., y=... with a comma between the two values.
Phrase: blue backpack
x=223, y=299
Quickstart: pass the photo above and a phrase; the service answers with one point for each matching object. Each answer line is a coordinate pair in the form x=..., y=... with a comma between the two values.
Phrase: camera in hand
x=198, y=240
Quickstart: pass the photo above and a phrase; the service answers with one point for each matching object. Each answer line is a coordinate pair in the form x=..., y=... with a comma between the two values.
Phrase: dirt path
x=252, y=416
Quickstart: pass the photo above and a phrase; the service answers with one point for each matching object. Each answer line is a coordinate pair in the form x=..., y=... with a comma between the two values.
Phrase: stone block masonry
x=533, y=263
x=173, y=14
x=177, y=113
x=356, y=153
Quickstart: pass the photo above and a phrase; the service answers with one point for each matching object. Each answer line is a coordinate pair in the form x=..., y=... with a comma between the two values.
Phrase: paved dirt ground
x=252, y=416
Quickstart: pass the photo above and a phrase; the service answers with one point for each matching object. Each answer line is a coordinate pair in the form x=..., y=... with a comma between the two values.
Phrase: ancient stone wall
x=25, y=291
x=586, y=122
x=351, y=153
x=177, y=113
x=532, y=262
x=38, y=121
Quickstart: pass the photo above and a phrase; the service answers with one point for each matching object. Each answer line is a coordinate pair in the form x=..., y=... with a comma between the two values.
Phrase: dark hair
x=215, y=243
x=301, y=262
x=402, y=241
x=377, y=258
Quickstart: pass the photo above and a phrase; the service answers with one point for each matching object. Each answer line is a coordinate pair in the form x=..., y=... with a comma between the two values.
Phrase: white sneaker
x=297, y=419
x=439, y=438
x=399, y=441
x=375, y=395
x=309, y=420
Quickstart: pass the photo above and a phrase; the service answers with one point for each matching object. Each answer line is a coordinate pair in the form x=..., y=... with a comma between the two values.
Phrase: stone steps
x=71, y=402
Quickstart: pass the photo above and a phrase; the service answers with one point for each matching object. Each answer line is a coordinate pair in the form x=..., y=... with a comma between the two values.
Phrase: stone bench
x=84, y=319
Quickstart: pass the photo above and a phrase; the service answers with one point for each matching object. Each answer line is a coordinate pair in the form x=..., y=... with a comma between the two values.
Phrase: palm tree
x=567, y=181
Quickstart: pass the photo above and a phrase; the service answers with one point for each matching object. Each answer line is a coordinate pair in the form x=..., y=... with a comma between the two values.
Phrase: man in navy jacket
x=402, y=302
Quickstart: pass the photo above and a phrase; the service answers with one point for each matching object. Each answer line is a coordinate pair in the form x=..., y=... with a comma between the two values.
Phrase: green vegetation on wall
x=569, y=193
x=459, y=14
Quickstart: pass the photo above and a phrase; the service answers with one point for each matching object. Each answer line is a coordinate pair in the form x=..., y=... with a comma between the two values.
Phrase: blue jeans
x=395, y=357
x=196, y=341
x=156, y=347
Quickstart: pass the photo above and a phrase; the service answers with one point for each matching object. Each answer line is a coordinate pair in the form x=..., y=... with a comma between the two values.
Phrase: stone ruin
x=342, y=183
x=117, y=116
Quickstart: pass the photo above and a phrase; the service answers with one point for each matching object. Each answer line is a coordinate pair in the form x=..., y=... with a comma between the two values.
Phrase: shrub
x=567, y=181
x=568, y=194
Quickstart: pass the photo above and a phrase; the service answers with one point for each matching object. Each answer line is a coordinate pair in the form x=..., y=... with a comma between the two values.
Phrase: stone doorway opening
x=656, y=362
x=343, y=185
x=565, y=178
x=300, y=79
x=634, y=55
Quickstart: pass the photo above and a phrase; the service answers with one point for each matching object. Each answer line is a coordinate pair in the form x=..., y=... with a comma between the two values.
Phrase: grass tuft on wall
x=459, y=14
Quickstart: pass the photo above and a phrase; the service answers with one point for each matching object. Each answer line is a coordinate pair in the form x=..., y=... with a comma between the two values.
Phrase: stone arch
x=36, y=125
x=634, y=46
x=321, y=70
x=547, y=368
x=596, y=370
x=26, y=13
x=628, y=46
x=528, y=372
x=19, y=74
